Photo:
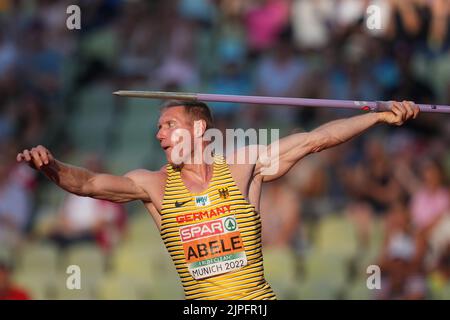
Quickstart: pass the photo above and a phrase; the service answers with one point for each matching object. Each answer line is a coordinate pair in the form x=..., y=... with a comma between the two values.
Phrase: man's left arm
x=296, y=146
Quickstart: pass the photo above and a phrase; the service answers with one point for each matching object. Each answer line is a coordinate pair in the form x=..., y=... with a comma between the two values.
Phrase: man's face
x=171, y=123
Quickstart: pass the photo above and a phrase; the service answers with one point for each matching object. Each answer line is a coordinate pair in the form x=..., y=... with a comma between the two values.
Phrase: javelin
x=374, y=106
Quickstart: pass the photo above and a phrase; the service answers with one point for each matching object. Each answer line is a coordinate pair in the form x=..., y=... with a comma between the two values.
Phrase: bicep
x=116, y=188
x=279, y=157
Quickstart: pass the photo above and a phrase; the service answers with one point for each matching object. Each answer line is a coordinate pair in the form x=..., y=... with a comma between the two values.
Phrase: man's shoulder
x=145, y=175
x=243, y=155
x=242, y=158
x=241, y=163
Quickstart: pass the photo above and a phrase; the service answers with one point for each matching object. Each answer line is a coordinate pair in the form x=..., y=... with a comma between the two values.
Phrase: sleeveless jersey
x=214, y=238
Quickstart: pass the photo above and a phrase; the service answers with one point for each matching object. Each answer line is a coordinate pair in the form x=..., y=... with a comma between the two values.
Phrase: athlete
x=207, y=213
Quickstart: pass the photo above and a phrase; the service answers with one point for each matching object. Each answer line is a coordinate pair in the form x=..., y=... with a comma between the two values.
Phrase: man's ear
x=199, y=128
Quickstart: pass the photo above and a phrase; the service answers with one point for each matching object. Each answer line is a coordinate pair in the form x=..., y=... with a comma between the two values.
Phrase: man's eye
x=171, y=124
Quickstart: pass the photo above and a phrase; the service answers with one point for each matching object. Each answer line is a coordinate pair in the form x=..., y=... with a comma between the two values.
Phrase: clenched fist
x=37, y=158
x=400, y=112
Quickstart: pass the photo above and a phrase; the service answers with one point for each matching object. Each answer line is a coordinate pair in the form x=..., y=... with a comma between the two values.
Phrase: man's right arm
x=86, y=183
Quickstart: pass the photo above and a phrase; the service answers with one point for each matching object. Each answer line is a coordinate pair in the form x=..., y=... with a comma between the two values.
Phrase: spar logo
x=230, y=224
x=201, y=230
x=207, y=229
x=202, y=201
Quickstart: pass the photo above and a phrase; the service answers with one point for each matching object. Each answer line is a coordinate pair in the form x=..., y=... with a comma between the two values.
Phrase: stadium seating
x=37, y=258
x=37, y=285
x=92, y=118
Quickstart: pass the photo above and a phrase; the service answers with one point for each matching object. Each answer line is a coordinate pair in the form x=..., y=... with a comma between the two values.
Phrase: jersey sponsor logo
x=203, y=215
x=224, y=193
x=207, y=229
x=202, y=201
x=180, y=203
x=201, y=230
x=230, y=224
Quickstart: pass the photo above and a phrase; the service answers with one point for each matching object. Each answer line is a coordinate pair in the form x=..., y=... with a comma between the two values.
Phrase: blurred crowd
x=295, y=48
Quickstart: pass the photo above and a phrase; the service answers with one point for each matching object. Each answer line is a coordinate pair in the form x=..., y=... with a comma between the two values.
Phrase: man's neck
x=201, y=172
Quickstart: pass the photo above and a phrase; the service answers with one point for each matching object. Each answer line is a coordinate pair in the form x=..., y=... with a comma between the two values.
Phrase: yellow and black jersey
x=214, y=238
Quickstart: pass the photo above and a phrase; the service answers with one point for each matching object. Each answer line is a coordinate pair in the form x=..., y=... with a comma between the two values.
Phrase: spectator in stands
x=280, y=208
x=309, y=184
x=373, y=187
x=281, y=74
x=8, y=290
x=40, y=65
x=439, y=36
x=264, y=20
x=439, y=278
x=15, y=205
x=430, y=199
x=8, y=55
x=32, y=119
x=406, y=22
x=8, y=116
x=232, y=78
x=430, y=209
x=400, y=277
x=309, y=22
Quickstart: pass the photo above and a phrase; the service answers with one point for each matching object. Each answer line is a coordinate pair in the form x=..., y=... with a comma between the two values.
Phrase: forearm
x=70, y=178
x=339, y=131
x=86, y=183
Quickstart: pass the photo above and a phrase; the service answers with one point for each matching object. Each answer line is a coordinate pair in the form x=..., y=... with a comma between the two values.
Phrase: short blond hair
x=195, y=109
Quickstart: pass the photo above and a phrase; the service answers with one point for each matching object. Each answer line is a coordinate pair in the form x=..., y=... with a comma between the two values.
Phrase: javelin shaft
x=327, y=103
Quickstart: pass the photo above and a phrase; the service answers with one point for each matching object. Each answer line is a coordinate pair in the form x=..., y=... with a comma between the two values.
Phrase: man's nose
x=160, y=135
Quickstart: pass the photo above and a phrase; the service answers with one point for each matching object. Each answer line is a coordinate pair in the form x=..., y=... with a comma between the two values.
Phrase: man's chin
x=175, y=162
